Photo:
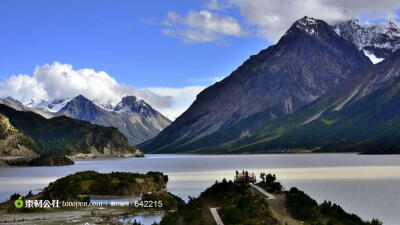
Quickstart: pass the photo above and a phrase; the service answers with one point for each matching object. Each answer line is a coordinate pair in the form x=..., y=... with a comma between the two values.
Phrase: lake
x=367, y=185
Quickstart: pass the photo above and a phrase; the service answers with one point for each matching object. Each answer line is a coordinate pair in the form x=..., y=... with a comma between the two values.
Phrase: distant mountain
x=310, y=60
x=134, y=118
x=52, y=106
x=66, y=136
x=19, y=106
x=361, y=116
x=377, y=41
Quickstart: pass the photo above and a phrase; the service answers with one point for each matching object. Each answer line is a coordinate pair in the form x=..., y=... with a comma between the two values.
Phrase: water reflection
x=145, y=219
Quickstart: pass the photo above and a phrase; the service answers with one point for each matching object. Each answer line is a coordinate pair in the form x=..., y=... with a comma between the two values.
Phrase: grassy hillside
x=94, y=183
x=63, y=135
x=238, y=206
x=370, y=125
x=242, y=204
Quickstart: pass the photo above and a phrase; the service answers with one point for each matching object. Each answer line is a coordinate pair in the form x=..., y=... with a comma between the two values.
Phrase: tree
x=376, y=222
x=276, y=187
x=262, y=176
x=29, y=194
x=269, y=179
x=14, y=196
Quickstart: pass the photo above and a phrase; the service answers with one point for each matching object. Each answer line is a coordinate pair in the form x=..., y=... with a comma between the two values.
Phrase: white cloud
x=21, y=87
x=58, y=80
x=217, y=5
x=273, y=17
x=182, y=98
x=201, y=26
x=270, y=18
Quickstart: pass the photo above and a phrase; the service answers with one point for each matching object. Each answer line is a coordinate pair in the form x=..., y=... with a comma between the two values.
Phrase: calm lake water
x=366, y=185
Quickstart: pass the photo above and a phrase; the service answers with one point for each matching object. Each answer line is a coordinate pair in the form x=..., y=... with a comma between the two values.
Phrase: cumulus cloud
x=273, y=17
x=57, y=80
x=22, y=87
x=182, y=98
x=217, y=5
x=269, y=18
x=201, y=26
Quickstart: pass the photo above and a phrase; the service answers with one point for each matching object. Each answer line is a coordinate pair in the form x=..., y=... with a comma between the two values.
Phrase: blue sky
x=165, y=52
x=113, y=36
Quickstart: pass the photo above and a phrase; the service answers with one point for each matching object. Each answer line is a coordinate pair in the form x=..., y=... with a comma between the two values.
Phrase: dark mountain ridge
x=307, y=62
x=361, y=116
x=67, y=136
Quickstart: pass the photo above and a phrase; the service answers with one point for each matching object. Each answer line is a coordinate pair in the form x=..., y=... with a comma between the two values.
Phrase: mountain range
x=27, y=135
x=361, y=116
x=15, y=104
x=134, y=118
x=377, y=41
x=316, y=89
x=320, y=88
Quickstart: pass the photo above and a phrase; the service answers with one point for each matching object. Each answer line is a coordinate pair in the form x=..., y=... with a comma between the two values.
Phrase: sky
x=165, y=52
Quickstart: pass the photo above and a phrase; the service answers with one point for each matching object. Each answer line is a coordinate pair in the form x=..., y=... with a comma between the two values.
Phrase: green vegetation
x=44, y=160
x=94, y=183
x=369, y=125
x=169, y=200
x=269, y=183
x=63, y=135
x=328, y=122
x=238, y=205
x=304, y=208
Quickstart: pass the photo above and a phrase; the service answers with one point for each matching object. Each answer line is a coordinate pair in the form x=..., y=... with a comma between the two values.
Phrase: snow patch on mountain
x=50, y=106
x=372, y=57
x=108, y=105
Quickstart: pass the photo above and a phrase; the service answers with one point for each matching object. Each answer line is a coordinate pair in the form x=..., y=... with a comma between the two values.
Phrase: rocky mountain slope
x=134, y=118
x=361, y=116
x=308, y=61
x=67, y=136
x=21, y=107
x=14, y=145
x=377, y=41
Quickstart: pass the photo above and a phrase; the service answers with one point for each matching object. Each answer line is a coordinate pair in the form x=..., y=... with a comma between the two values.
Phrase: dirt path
x=215, y=214
x=278, y=208
x=269, y=196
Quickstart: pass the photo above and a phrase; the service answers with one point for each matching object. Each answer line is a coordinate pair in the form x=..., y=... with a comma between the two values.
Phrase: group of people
x=244, y=174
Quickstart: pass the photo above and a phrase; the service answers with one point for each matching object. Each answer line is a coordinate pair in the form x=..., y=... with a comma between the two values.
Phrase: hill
x=67, y=136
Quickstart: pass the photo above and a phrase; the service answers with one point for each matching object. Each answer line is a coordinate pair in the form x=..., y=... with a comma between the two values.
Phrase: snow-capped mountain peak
x=9, y=98
x=308, y=24
x=306, y=21
x=34, y=102
x=51, y=105
x=108, y=105
x=133, y=104
x=377, y=41
x=134, y=118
